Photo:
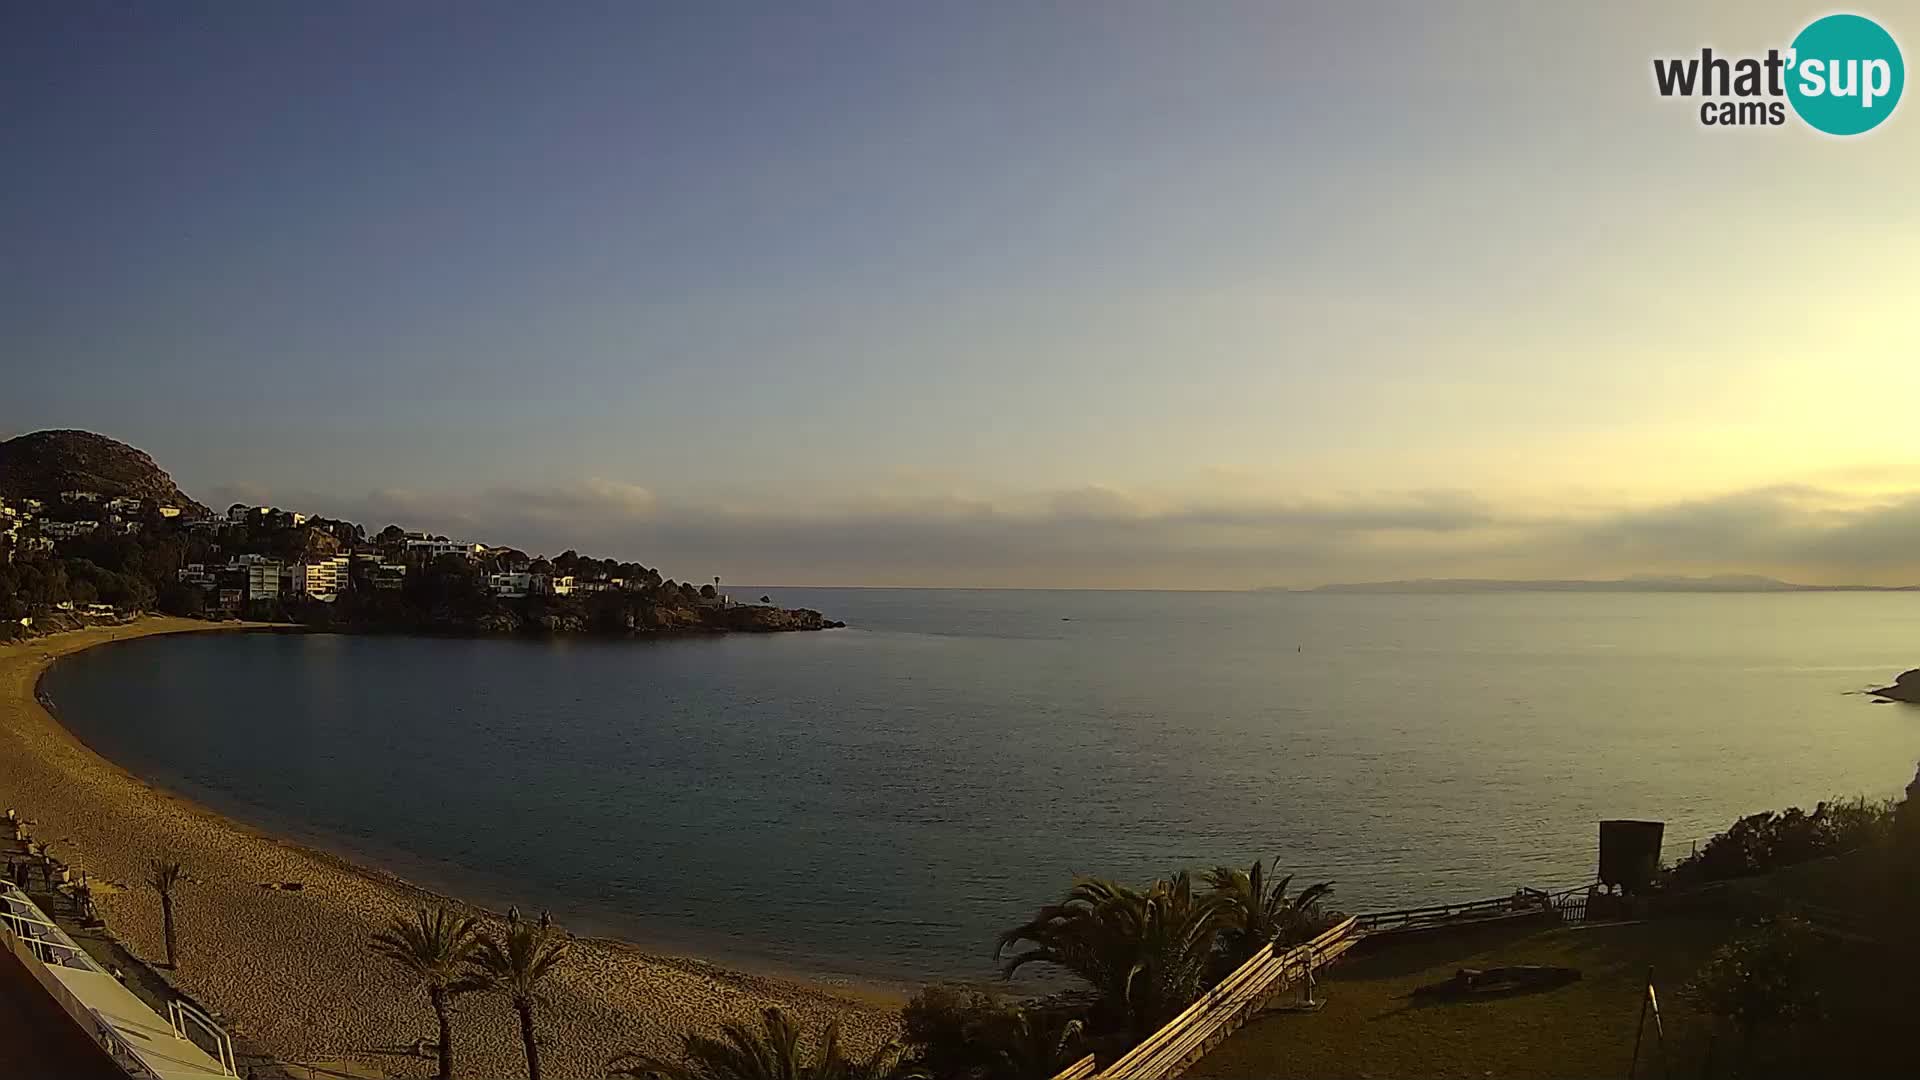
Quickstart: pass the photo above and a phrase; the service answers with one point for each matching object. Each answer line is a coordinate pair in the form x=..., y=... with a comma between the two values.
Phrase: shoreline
x=447, y=882
x=290, y=968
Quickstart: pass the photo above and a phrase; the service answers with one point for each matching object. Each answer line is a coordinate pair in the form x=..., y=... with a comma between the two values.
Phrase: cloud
x=1100, y=536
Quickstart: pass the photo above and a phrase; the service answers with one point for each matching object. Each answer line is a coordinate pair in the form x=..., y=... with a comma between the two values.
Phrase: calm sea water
x=880, y=801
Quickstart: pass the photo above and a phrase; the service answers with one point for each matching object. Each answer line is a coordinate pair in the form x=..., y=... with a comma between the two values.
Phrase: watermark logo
x=1842, y=75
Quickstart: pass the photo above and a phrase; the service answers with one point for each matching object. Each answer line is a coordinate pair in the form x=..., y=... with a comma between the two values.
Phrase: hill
x=42, y=464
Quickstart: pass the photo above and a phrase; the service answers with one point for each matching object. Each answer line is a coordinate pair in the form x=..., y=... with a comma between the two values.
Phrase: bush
x=1758, y=982
x=958, y=1033
x=1767, y=841
x=945, y=1026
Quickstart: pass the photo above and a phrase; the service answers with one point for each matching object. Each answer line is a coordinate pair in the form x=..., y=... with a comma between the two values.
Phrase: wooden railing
x=1207, y=1022
x=1522, y=902
x=1220, y=1011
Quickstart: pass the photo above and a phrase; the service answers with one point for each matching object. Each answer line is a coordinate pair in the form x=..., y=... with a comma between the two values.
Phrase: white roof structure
x=144, y=1045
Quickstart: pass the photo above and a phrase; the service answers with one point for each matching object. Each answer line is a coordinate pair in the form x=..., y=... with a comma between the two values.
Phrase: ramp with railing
x=132, y=1035
x=1220, y=1011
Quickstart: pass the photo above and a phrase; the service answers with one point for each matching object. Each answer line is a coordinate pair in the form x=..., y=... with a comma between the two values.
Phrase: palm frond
x=430, y=947
x=517, y=963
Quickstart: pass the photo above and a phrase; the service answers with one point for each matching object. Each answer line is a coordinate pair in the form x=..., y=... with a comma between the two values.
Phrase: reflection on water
x=883, y=800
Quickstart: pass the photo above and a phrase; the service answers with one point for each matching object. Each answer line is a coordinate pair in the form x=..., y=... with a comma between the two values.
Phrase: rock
x=1500, y=981
x=1905, y=688
x=754, y=618
x=42, y=464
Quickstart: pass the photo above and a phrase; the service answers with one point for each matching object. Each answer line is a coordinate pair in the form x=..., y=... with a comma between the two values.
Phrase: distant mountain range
x=1718, y=583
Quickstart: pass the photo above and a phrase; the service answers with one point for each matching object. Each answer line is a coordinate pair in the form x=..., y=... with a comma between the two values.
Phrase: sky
x=1098, y=294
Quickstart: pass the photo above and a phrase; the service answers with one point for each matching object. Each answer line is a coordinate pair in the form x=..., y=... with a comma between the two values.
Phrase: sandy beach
x=291, y=969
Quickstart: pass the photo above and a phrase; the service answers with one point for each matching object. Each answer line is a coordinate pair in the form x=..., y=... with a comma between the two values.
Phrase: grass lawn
x=1370, y=1027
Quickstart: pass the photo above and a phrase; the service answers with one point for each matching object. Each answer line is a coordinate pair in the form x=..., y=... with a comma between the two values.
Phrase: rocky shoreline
x=1906, y=687
x=553, y=620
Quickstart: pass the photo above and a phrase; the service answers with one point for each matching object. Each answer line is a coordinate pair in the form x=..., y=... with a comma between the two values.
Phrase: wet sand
x=291, y=968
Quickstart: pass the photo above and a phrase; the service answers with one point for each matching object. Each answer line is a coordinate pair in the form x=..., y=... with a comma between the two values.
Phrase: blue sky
x=1109, y=294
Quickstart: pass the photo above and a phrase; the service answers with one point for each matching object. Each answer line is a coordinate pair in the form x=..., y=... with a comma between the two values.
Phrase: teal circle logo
x=1845, y=74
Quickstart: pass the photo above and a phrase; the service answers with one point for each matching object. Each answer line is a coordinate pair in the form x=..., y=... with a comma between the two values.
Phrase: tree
x=1255, y=912
x=163, y=876
x=1146, y=953
x=1758, y=982
x=1035, y=1045
x=963, y=1034
x=770, y=1053
x=178, y=599
x=431, y=949
x=514, y=967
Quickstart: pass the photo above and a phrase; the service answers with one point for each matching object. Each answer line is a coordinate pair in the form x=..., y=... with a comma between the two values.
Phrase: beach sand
x=291, y=969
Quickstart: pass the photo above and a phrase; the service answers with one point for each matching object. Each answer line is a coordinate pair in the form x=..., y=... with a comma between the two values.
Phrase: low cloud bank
x=1109, y=538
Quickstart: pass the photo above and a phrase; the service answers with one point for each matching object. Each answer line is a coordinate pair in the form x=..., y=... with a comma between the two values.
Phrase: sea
x=878, y=803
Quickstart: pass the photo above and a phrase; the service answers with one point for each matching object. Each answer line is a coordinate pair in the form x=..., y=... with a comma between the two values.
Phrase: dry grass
x=1372, y=1028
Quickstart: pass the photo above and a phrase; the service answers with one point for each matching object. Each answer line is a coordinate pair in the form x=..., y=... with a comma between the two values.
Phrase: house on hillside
x=67, y=530
x=433, y=549
x=510, y=585
x=322, y=577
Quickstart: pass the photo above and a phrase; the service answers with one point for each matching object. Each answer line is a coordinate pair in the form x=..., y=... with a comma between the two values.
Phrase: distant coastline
x=1644, y=583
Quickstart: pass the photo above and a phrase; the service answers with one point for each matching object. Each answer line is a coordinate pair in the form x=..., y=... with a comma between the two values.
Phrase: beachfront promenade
x=37, y=1038
x=74, y=1018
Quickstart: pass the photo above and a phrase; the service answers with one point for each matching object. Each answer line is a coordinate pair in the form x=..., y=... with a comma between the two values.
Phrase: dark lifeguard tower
x=1630, y=854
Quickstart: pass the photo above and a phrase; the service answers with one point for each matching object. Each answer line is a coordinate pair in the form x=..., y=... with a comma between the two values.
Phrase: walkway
x=37, y=1038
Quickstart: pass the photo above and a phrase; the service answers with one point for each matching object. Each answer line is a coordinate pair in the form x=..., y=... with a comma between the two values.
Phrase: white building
x=323, y=578
x=196, y=575
x=124, y=504
x=433, y=549
x=263, y=577
x=67, y=530
x=510, y=585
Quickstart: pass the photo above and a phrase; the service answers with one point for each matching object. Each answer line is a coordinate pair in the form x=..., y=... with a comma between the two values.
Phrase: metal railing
x=182, y=1013
x=117, y=1049
x=1569, y=904
x=26, y=929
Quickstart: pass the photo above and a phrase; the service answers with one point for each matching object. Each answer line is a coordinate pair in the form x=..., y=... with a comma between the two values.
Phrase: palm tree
x=1147, y=954
x=771, y=1053
x=1036, y=1045
x=1255, y=913
x=514, y=967
x=430, y=948
x=163, y=876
